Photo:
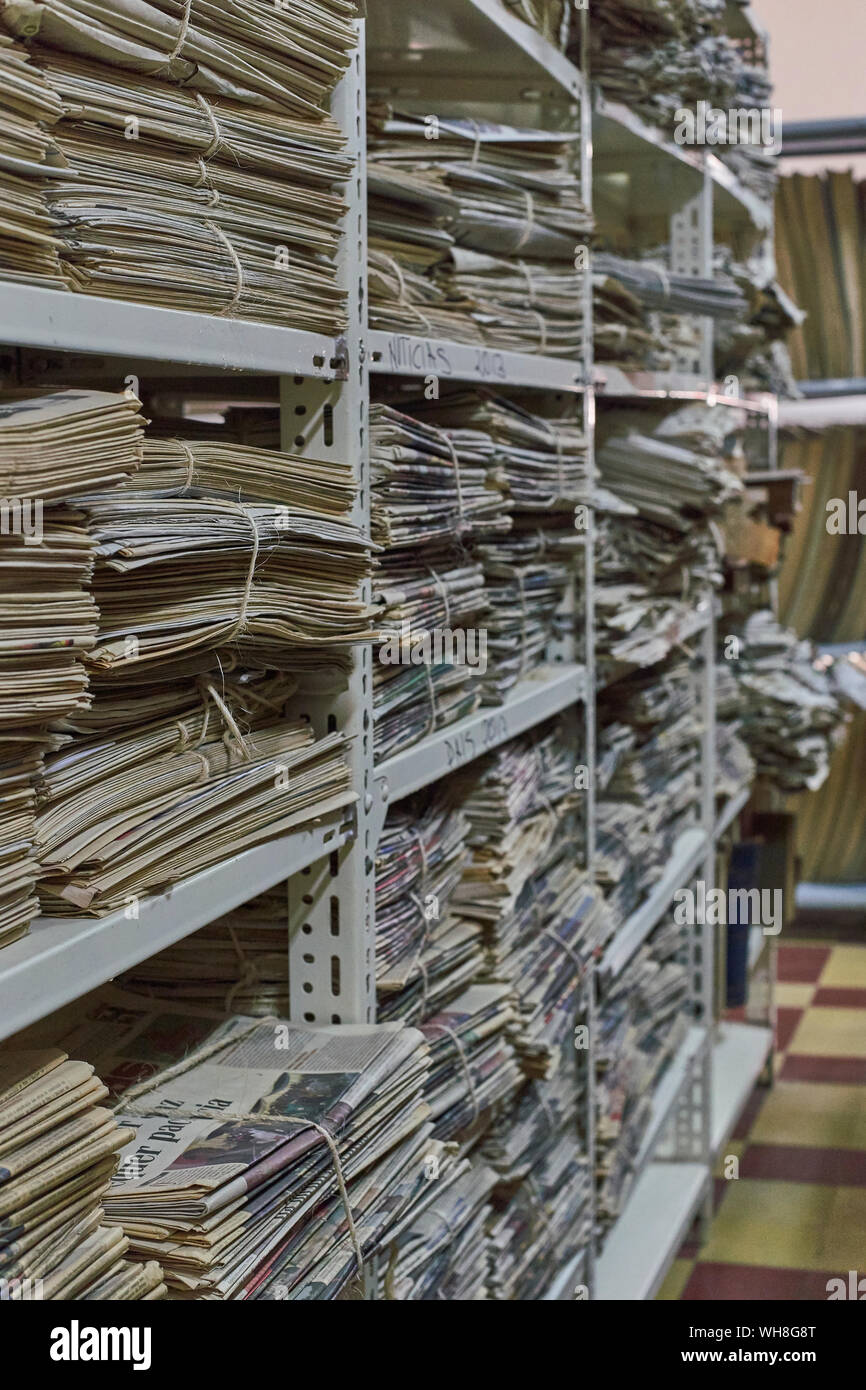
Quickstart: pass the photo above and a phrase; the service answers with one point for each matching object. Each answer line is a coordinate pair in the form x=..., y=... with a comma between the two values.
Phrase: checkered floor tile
x=795, y=1216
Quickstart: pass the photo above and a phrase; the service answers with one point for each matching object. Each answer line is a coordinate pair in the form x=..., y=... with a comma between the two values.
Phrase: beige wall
x=818, y=64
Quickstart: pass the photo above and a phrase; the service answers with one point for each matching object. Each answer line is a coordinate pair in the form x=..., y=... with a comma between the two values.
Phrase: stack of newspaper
x=440, y=1250
x=429, y=486
x=425, y=954
x=53, y=446
x=126, y=813
x=665, y=483
x=541, y=1223
x=473, y=232
x=540, y=915
x=540, y=463
x=649, y=778
x=238, y=964
x=58, y=1151
x=791, y=710
x=271, y=1162
x=643, y=1020
x=29, y=240
x=539, y=1228
x=473, y=1068
x=194, y=164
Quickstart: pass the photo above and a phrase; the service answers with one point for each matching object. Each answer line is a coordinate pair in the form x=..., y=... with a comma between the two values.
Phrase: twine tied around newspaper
x=464, y=1062
x=462, y=524
x=530, y=283
x=443, y=594
x=433, y=712
x=232, y=739
x=164, y=70
x=403, y=296
x=530, y=220
x=250, y=973
x=154, y=1083
x=241, y=625
x=568, y=949
x=236, y=263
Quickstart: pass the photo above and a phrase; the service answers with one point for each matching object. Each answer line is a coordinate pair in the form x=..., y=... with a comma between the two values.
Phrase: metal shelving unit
x=415, y=52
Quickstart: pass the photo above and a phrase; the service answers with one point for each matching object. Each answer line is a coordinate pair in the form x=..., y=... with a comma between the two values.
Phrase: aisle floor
x=795, y=1217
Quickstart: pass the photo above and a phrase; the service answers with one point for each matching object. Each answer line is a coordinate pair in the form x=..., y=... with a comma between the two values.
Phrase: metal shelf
x=64, y=321
x=651, y=1228
x=669, y=1089
x=455, y=41
x=621, y=138
x=62, y=958
x=689, y=850
x=613, y=383
x=732, y=808
x=531, y=702
x=402, y=354
x=740, y=1054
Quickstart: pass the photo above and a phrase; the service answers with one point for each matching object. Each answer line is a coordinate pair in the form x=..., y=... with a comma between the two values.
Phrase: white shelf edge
x=689, y=850
x=740, y=1053
x=530, y=702
x=643, y=1244
x=33, y=317
x=406, y=355
x=63, y=958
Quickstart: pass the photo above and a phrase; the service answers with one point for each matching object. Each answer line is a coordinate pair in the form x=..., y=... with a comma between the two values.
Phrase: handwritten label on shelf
x=422, y=355
x=417, y=354
x=462, y=747
x=489, y=365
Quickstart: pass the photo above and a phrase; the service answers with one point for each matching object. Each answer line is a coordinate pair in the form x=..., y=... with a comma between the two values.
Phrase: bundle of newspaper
x=29, y=240
x=649, y=778
x=125, y=813
x=792, y=712
x=473, y=1069
x=541, y=1223
x=473, y=232
x=643, y=1021
x=665, y=482
x=224, y=199
x=272, y=1161
x=440, y=1249
x=429, y=485
x=58, y=1150
x=237, y=964
x=658, y=56
x=540, y=463
x=540, y=915
x=425, y=955
x=53, y=446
